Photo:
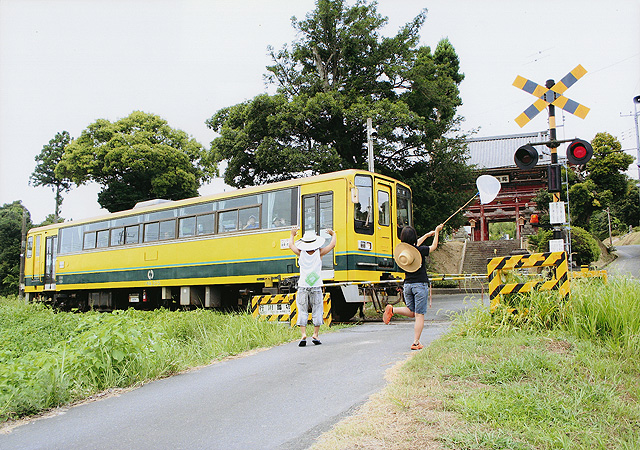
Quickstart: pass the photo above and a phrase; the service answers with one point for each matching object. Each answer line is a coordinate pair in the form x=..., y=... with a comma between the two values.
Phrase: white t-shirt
x=310, y=269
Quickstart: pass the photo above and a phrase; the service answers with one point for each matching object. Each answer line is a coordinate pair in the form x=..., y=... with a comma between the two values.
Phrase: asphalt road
x=280, y=398
x=627, y=262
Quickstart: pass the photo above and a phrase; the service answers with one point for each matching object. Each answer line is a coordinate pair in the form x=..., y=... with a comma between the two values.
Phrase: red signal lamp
x=579, y=152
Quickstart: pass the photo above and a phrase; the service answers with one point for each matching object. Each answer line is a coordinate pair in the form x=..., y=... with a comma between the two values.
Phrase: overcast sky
x=66, y=63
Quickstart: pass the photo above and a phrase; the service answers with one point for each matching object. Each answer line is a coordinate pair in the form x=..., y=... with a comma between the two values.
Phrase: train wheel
x=341, y=311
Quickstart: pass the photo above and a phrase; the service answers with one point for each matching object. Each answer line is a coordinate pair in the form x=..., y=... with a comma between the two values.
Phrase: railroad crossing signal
x=551, y=96
x=579, y=152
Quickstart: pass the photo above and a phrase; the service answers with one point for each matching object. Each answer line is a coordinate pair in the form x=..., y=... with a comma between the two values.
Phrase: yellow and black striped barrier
x=283, y=308
x=497, y=266
x=586, y=273
x=273, y=308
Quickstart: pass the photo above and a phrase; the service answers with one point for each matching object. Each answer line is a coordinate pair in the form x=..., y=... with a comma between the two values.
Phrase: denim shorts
x=416, y=296
x=309, y=298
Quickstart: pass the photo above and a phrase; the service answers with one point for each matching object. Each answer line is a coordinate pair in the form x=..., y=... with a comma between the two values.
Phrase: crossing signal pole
x=579, y=151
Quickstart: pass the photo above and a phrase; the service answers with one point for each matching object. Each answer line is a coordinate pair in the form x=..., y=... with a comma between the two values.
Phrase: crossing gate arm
x=497, y=266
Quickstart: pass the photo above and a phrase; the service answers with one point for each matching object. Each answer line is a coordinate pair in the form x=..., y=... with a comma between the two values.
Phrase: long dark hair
x=408, y=235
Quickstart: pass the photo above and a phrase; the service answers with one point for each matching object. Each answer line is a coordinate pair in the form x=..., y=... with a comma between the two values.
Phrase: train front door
x=317, y=215
x=51, y=245
x=383, y=228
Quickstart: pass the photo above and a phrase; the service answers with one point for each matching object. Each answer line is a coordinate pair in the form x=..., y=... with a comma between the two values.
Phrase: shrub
x=583, y=245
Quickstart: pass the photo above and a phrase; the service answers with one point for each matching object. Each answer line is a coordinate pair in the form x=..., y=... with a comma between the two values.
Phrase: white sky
x=66, y=63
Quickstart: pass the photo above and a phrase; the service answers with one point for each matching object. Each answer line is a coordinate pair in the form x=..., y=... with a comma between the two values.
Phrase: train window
x=124, y=221
x=102, y=239
x=239, y=202
x=326, y=211
x=132, y=234
x=151, y=231
x=117, y=236
x=363, y=211
x=309, y=211
x=96, y=226
x=384, y=210
x=197, y=209
x=168, y=229
x=227, y=221
x=250, y=218
x=403, y=201
x=29, y=246
x=71, y=239
x=280, y=208
x=37, y=250
x=160, y=215
x=205, y=224
x=187, y=227
x=89, y=240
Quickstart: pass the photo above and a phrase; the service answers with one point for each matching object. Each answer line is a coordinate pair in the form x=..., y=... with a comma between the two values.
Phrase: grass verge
x=49, y=359
x=556, y=376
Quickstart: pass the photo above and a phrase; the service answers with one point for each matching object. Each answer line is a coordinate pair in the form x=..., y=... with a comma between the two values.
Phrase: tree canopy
x=44, y=173
x=137, y=158
x=339, y=72
x=10, y=239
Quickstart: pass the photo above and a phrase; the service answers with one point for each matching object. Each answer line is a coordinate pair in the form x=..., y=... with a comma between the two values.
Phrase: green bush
x=584, y=246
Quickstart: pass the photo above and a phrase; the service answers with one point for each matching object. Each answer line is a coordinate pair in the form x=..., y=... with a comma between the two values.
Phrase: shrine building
x=514, y=203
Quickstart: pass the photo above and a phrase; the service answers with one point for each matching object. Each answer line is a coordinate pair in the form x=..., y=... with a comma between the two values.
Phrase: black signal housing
x=526, y=157
x=579, y=152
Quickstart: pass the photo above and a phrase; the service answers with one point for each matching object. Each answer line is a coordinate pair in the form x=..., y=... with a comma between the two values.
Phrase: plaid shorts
x=309, y=296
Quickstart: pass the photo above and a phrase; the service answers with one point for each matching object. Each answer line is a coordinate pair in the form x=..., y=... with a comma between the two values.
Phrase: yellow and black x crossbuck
x=551, y=96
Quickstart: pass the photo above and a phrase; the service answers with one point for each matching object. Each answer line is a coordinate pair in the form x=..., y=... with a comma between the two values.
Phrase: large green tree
x=44, y=173
x=339, y=72
x=137, y=158
x=10, y=241
x=608, y=165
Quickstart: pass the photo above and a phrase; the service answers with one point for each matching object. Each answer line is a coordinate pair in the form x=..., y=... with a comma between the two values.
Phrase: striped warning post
x=273, y=308
x=283, y=308
x=497, y=266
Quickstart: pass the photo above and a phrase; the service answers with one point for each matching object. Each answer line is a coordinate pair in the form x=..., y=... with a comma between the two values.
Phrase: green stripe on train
x=246, y=268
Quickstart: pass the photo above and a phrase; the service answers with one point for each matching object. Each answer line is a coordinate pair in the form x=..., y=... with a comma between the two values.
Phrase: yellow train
x=219, y=250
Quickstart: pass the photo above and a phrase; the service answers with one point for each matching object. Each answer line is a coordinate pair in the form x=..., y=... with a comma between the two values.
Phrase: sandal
x=417, y=346
x=316, y=341
x=388, y=312
x=302, y=343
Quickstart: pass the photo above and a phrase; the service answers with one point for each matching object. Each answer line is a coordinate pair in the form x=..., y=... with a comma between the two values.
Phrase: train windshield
x=363, y=212
x=404, y=207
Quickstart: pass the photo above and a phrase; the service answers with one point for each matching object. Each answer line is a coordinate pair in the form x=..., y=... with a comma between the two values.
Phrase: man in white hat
x=310, y=255
x=409, y=254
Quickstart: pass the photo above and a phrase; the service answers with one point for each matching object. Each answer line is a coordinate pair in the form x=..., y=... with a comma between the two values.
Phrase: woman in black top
x=416, y=281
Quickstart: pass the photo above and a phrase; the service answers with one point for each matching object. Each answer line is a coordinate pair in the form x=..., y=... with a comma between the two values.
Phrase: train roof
x=152, y=205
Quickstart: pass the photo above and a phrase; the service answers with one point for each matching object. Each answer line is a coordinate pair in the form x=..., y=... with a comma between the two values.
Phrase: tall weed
x=48, y=359
x=605, y=312
x=608, y=313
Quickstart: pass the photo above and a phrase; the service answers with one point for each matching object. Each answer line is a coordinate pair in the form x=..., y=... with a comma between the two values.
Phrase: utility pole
x=23, y=247
x=371, y=133
x=636, y=100
x=609, y=221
